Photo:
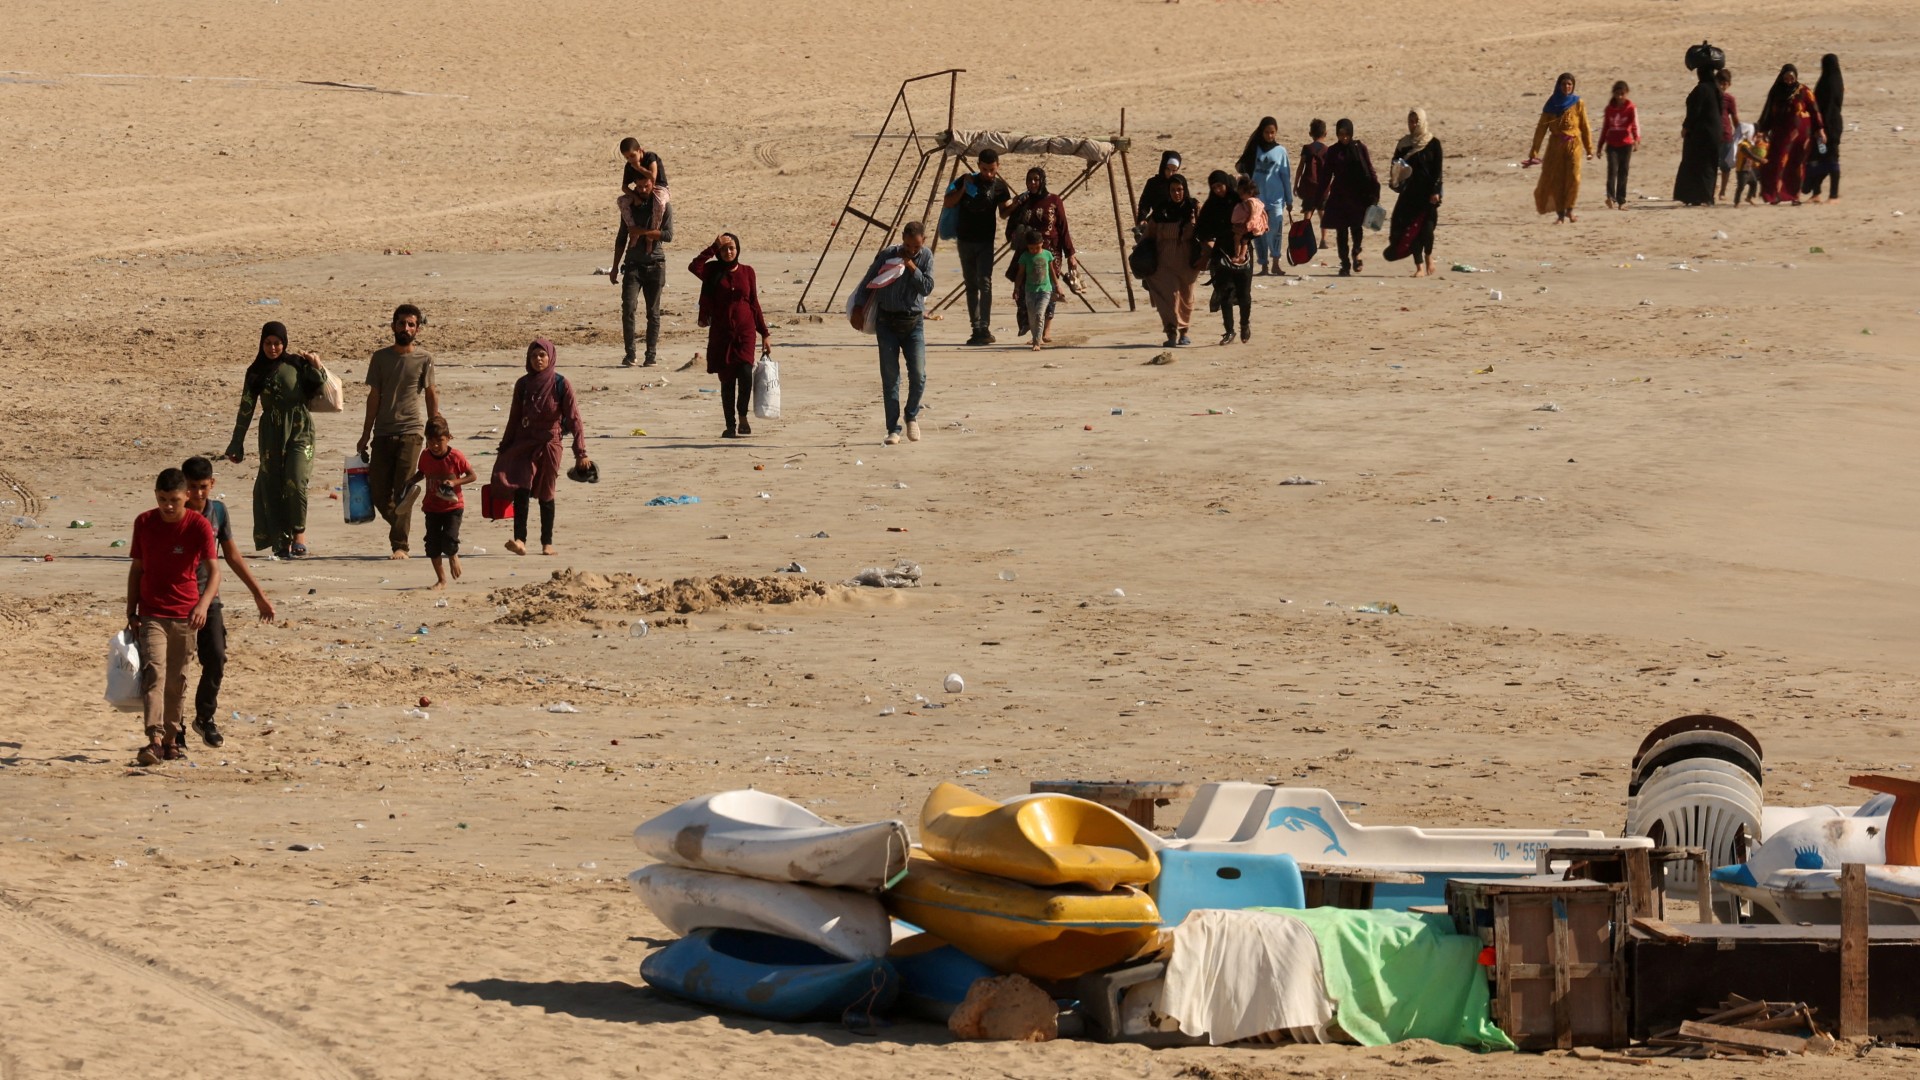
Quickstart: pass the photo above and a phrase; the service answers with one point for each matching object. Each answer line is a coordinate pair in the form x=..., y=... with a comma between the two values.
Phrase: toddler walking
x=1748, y=157
x=444, y=471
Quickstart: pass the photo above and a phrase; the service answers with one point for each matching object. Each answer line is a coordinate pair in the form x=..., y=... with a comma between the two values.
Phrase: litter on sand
x=672, y=500
x=1379, y=607
x=902, y=575
x=1300, y=481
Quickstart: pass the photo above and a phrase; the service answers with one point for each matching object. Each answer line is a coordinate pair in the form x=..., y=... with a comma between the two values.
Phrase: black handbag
x=1145, y=257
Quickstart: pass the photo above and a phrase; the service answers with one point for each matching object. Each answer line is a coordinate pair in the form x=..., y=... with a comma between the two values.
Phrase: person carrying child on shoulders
x=166, y=607
x=443, y=471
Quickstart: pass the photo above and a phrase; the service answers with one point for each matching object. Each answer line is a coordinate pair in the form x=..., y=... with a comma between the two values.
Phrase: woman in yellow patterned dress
x=1565, y=119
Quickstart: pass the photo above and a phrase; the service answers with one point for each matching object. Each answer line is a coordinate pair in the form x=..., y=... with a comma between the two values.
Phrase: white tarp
x=1238, y=974
x=1091, y=151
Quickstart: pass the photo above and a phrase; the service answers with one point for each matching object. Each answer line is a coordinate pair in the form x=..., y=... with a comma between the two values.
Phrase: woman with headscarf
x=1795, y=130
x=1266, y=161
x=1564, y=117
x=1214, y=230
x=1417, y=176
x=1701, y=135
x=1042, y=211
x=1153, y=193
x=544, y=411
x=1352, y=188
x=730, y=310
x=1170, y=229
x=1830, y=93
x=280, y=383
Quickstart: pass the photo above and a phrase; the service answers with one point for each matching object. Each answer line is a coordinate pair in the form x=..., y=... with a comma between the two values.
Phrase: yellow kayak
x=1042, y=840
x=1015, y=928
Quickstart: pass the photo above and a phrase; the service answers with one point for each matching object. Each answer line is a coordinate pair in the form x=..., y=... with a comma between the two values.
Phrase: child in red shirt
x=1620, y=134
x=166, y=607
x=444, y=471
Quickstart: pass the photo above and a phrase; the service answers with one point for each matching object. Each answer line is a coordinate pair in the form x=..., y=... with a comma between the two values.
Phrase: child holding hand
x=444, y=471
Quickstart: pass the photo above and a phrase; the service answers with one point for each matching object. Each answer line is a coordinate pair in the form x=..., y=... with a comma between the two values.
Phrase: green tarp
x=1394, y=975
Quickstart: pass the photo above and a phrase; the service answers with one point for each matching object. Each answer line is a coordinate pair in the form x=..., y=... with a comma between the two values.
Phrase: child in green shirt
x=1034, y=280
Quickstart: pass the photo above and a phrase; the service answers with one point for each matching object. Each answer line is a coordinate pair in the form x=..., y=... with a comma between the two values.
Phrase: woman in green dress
x=280, y=383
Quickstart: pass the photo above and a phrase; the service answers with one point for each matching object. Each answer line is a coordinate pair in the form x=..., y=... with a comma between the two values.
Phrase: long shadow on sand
x=622, y=1002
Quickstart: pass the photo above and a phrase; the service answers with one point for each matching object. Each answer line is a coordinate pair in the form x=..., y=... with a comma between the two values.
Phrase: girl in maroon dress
x=544, y=412
x=730, y=310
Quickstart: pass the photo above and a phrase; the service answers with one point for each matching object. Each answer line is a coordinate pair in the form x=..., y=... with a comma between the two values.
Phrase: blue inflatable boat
x=774, y=978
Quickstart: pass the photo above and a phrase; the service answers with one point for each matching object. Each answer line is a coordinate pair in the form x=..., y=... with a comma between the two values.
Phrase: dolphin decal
x=1299, y=819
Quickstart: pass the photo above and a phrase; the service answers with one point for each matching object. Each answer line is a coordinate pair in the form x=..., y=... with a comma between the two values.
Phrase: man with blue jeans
x=980, y=196
x=900, y=324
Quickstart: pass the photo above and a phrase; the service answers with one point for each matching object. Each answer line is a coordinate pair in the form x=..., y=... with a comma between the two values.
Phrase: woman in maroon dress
x=544, y=412
x=1042, y=211
x=1352, y=188
x=730, y=310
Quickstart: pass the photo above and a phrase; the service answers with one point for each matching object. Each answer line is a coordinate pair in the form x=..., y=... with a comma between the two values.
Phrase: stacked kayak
x=775, y=906
x=1047, y=886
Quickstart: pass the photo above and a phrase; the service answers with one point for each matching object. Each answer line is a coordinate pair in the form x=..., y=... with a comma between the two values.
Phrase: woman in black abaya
x=1701, y=136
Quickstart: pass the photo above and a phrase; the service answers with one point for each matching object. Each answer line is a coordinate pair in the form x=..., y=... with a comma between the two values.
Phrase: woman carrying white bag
x=730, y=310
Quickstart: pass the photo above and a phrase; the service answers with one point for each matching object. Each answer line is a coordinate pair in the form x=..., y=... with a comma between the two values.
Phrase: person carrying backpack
x=544, y=412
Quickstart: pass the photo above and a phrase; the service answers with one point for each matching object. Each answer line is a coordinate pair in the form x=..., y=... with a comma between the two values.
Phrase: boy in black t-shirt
x=981, y=197
x=211, y=643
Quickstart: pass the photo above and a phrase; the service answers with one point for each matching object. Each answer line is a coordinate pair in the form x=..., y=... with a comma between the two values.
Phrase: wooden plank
x=1853, y=951
x=1661, y=929
x=1702, y=883
x=1639, y=873
x=1743, y=1038
x=1504, y=1015
x=1562, y=954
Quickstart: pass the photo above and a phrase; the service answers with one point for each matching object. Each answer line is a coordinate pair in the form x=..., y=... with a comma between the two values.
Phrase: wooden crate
x=1559, y=971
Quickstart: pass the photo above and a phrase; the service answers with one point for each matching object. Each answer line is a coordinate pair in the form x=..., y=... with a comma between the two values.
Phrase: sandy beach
x=1714, y=515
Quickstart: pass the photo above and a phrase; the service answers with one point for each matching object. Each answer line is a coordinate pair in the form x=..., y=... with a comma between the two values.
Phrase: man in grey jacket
x=900, y=324
x=646, y=227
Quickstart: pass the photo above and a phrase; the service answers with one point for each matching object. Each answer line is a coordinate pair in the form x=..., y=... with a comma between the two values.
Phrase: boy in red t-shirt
x=444, y=471
x=166, y=607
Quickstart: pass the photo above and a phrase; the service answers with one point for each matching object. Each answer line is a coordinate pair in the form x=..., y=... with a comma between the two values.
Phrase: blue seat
x=1212, y=879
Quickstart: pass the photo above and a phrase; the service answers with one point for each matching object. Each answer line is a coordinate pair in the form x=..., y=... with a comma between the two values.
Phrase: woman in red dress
x=730, y=310
x=1792, y=119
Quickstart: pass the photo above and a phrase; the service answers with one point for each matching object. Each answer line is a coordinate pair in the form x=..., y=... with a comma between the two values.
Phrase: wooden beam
x=1853, y=951
x=1744, y=1039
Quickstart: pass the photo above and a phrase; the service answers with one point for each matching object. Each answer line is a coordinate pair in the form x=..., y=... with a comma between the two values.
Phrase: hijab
x=1168, y=210
x=1036, y=196
x=1216, y=217
x=1169, y=157
x=1416, y=140
x=1831, y=90
x=1559, y=102
x=710, y=280
x=1779, y=97
x=1256, y=143
x=535, y=385
x=261, y=368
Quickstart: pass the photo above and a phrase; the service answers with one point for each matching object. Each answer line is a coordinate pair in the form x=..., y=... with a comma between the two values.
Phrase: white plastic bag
x=1376, y=218
x=766, y=389
x=331, y=397
x=863, y=306
x=123, y=673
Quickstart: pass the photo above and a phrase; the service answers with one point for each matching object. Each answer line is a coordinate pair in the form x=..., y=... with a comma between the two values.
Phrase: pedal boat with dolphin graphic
x=1310, y=825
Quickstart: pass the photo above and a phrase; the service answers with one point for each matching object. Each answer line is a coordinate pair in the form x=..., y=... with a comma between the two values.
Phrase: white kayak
x=847, y=924
x=1792, y=896
x=755, y=834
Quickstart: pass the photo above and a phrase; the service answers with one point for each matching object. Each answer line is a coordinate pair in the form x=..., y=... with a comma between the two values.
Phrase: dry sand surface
x=1718, y=517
